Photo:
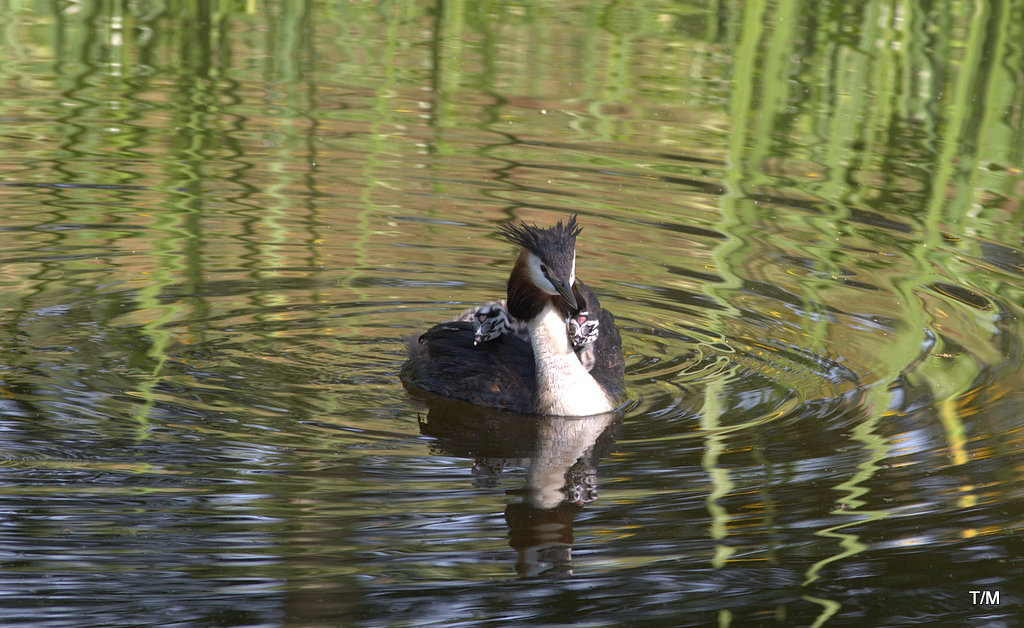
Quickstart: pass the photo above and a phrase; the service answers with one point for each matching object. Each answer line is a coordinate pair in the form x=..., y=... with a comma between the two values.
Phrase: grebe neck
x=564, y=386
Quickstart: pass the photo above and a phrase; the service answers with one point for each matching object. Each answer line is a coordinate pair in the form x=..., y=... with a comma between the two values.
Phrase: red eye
x=543, y=269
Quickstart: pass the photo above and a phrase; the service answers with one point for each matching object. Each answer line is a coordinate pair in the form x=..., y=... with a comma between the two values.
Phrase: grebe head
x=546, y=267
x=489, y=322
x=583, y=328
x=584, y=322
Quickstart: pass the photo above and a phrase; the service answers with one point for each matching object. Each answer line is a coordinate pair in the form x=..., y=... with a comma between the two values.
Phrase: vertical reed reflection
x=221, y=218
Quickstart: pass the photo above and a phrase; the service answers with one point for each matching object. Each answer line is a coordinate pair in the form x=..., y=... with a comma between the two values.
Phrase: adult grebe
x=541, y=374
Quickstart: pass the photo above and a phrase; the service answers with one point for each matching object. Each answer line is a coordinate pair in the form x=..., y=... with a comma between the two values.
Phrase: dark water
x=219, y=225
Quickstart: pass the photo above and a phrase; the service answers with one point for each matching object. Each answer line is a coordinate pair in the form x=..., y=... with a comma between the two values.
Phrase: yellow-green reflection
x=221, y=220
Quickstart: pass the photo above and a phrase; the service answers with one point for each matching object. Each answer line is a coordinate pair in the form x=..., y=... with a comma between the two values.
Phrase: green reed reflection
x=857, y=104
x=220, y=221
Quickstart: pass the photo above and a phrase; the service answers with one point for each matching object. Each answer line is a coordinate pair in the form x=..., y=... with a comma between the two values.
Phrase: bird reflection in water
x=560, y=455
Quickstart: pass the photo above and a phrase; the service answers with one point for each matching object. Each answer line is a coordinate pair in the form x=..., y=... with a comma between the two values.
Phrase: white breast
x=564, y=386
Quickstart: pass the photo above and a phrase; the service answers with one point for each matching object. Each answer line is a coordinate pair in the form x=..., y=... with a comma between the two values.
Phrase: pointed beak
x=565, y=290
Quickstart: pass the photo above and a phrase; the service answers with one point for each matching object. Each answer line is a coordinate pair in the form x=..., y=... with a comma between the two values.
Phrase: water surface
x=220, y=226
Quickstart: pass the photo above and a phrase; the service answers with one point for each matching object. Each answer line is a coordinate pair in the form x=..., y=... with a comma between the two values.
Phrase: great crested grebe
x=584, y=324
x=492, y=319
x=540, y=373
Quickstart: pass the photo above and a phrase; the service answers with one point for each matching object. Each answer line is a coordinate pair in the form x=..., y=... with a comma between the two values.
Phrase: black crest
x=555, y=245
